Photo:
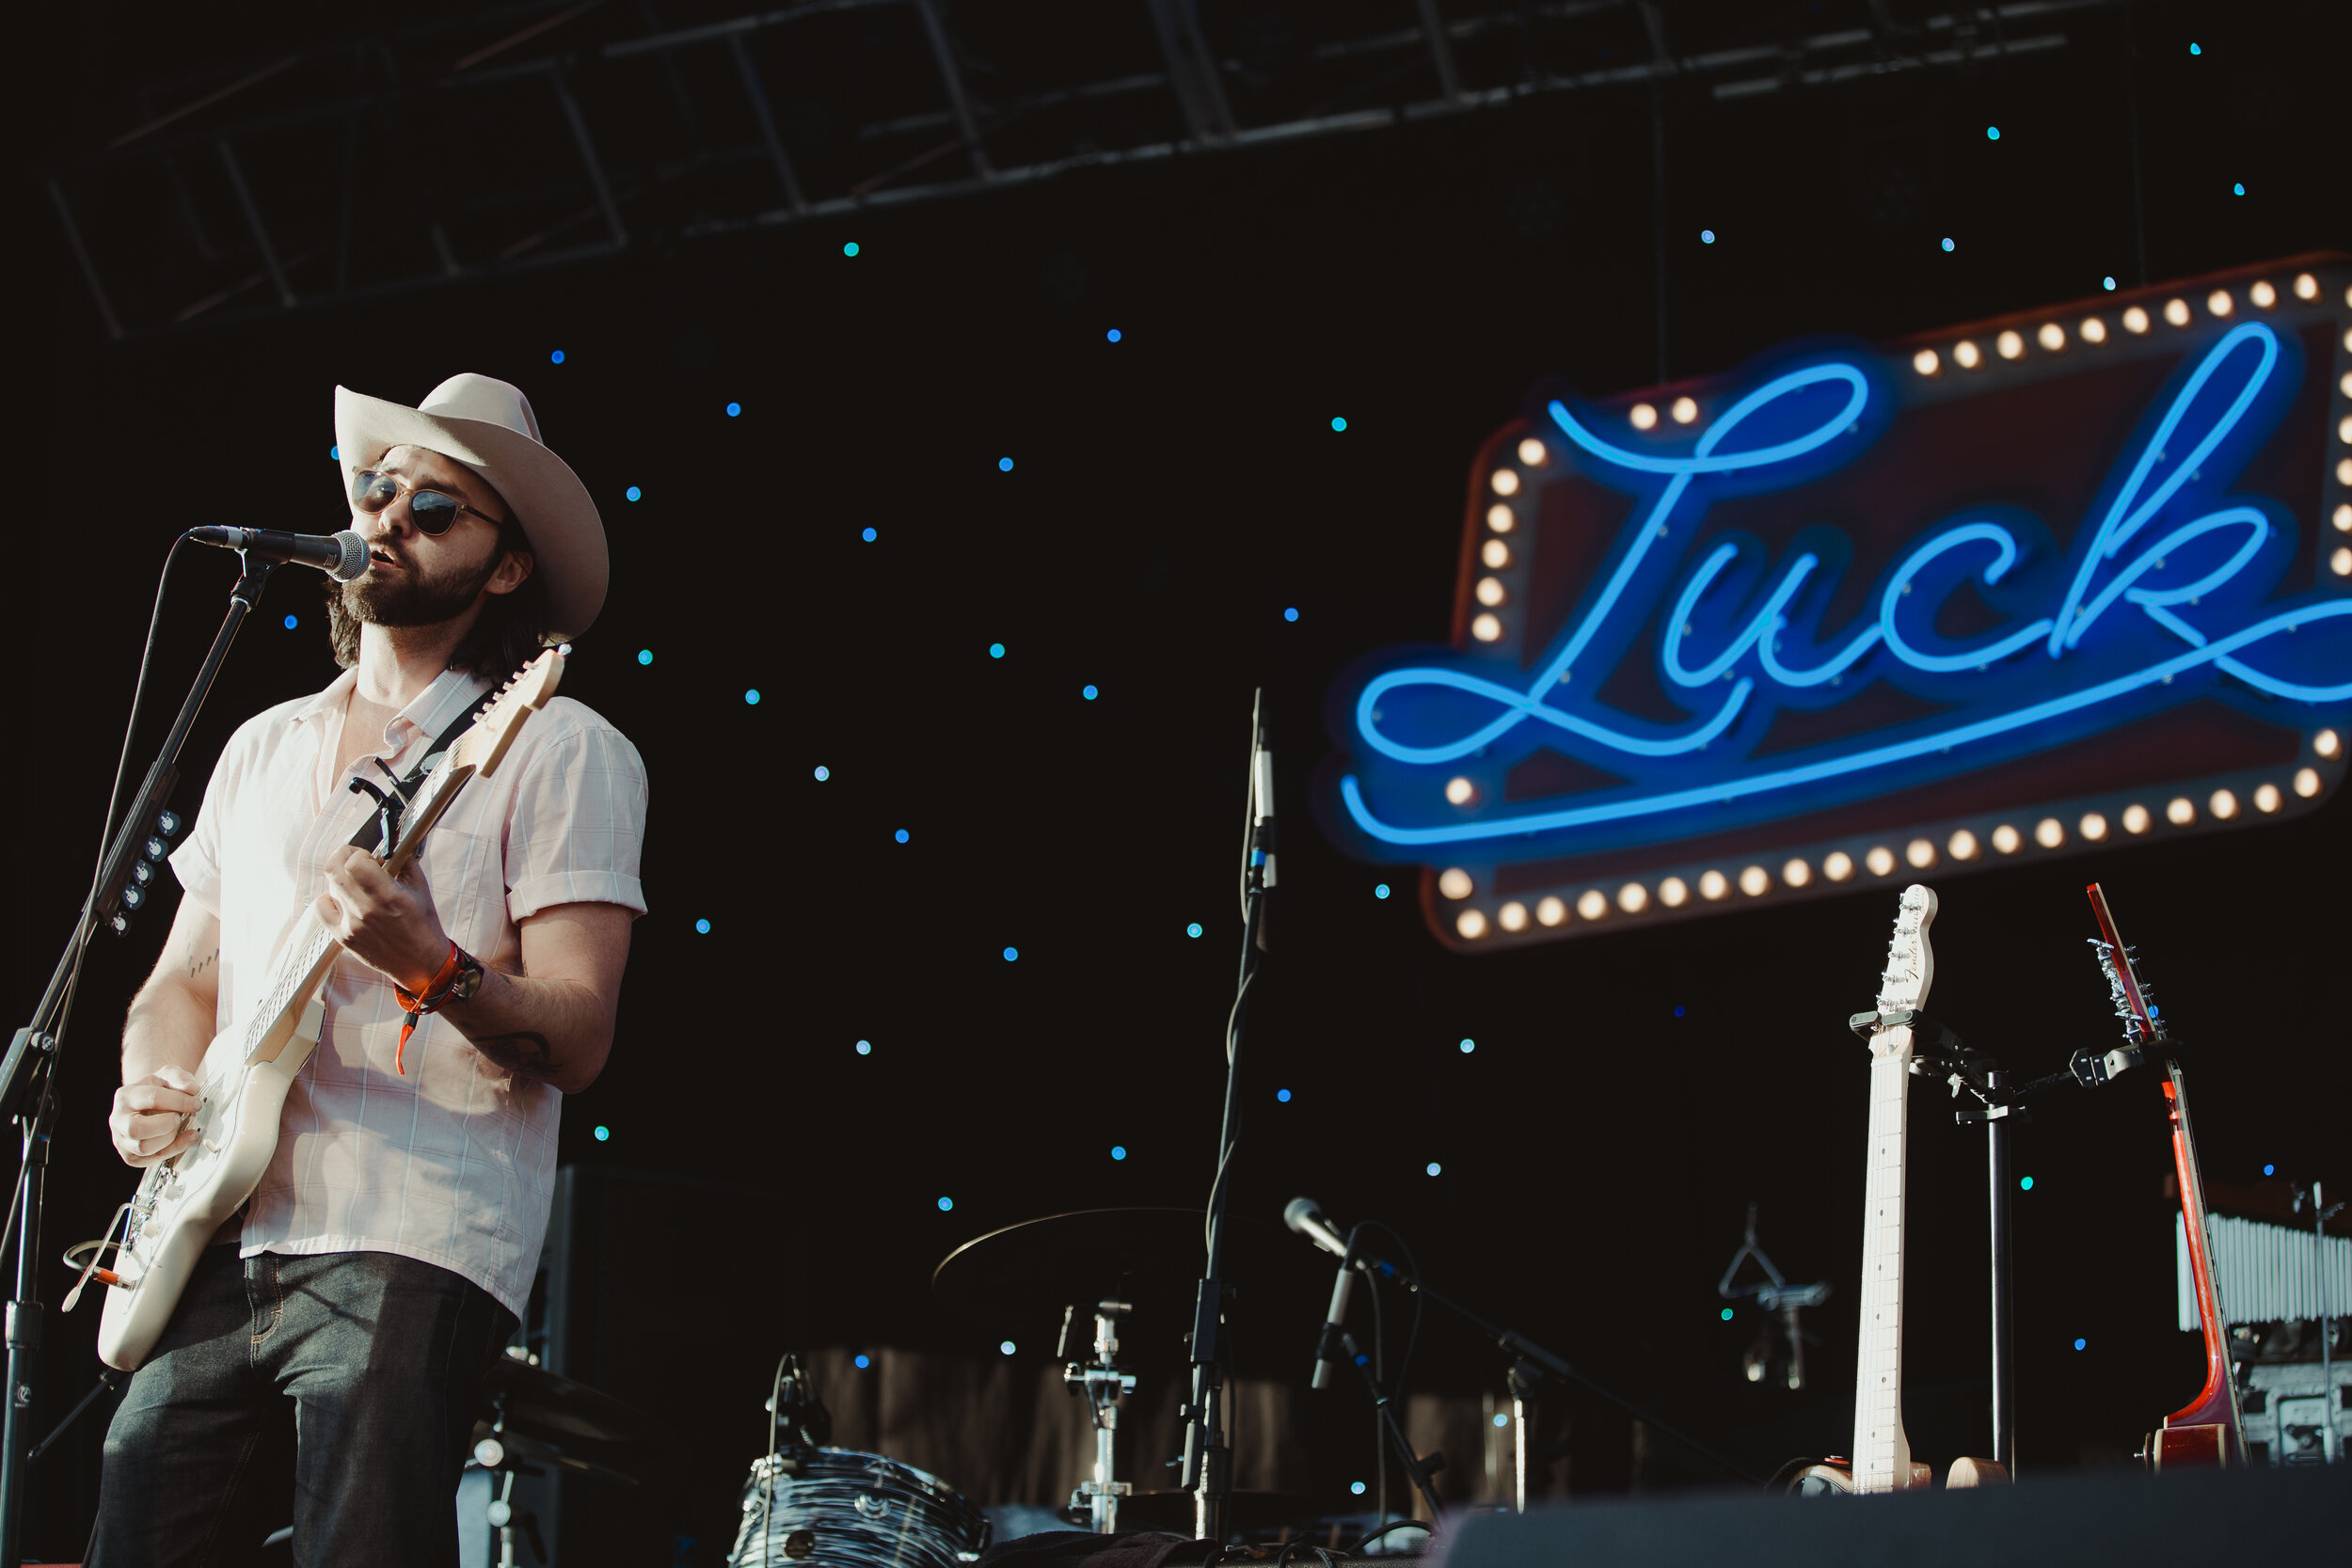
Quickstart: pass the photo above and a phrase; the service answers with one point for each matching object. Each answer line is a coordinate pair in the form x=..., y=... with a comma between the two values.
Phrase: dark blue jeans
x=337, y=1392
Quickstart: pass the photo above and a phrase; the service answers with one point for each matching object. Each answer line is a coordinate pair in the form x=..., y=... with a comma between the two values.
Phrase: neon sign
x=2035, y=586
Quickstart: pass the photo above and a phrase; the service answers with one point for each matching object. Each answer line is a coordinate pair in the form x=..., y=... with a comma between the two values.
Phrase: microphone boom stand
x=29, y=1072
x=1208, y=1463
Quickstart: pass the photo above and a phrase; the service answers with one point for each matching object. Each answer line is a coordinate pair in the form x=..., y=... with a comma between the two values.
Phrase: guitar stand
x=1979, y=1077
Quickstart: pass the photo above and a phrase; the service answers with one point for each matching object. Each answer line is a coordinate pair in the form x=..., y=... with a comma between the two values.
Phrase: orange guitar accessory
x=436, y=997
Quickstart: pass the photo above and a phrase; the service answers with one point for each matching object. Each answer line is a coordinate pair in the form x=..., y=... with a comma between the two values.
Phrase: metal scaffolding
x=555, y=132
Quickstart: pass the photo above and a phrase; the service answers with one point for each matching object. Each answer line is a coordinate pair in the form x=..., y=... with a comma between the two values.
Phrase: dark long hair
x=507, y=635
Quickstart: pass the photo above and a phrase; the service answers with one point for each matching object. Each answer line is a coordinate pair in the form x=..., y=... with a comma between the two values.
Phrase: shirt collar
x=432, y=710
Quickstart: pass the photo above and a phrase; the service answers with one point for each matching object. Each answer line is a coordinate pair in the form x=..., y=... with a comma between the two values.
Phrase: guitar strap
x=384, y=827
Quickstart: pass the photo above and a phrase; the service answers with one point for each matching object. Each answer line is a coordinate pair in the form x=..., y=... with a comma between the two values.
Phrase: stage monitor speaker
x=2179, y=1519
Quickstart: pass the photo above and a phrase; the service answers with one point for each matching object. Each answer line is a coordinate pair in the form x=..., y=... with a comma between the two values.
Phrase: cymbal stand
x=1105, y=1383
x=1208, y=1472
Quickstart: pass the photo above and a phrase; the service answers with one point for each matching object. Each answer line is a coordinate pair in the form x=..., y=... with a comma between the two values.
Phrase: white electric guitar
x=242, y=1083
x=1881, y=1459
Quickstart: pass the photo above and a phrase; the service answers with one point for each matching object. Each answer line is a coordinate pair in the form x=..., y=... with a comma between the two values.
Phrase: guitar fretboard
x=1881, y=1456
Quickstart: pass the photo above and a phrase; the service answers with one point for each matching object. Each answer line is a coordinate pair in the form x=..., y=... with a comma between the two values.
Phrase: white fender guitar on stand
x=241, y=1086
x=1881, y=1459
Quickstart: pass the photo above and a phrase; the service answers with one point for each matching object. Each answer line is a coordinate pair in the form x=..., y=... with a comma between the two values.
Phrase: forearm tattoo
x=198, y=966
x=525, y=1054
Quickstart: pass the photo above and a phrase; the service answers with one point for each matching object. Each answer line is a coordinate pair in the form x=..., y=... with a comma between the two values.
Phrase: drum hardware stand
x=1774, y=1296
x=1208, y=1473
x=1419, y=1468
x=1106, y=1382
x=28, y=1070
x=2330, y=1446
x=490, y=1453
x=1531, y=1363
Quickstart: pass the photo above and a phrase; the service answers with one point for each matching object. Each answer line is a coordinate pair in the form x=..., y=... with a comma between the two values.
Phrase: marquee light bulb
x=2223, y=804
x=1673, y=893
x=2343, y=518
x=2326, y=743
x=2307, y=781
x=1925, y=362
x=1920, y=853
x=2136, y=818
x=2176, y=311
x=2093, y=826
x=2219, y=302
x=2136, y=321
x=2341, y=562
x=2263, y=294
x=2093, y=330
x=2052, y=337
x=1962, y=845
x=1500, y=519
x=1512, y=916
x=1685, y=410
x=1644, y=417
x=1496, y=554
x=1551, y=911
x=1591, y=904
x=1532, y=452
x=1633, y=898
x=1754, y=881
x=1714, y=885
x=1506, y=482
x=2306, y=286
x=2049, y=833
x=2267, y=797
x=1490, y=591
x=1487, y=628
x=1837, y=865
x=2011, y=345
x=1460, y=791
x=1797, y=873
x=1455, y=883
x=2007, y=839
x=1472, y=923
x=2181, y=812
x=1966, y=354
x=1880, y=859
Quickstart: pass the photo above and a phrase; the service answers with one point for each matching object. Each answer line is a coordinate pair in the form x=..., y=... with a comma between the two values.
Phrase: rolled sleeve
x=578, y=831
x=197, y=862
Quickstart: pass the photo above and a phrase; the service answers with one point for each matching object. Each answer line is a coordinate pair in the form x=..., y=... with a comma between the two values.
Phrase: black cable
x=1412, y=1336
x=1379, y=1429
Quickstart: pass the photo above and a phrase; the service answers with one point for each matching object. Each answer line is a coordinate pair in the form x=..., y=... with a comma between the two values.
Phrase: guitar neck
x=2216, y=1403
x=1882, y=1452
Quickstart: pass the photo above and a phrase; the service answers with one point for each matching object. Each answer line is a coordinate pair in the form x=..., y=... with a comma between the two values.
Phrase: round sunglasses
x=434, y=513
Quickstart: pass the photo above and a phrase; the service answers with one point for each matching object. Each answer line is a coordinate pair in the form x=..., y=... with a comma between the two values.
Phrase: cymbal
x=1040, y=1266
x=554, y=1409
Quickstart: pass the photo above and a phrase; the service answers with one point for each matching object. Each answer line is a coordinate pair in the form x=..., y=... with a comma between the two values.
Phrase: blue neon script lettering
x=2238, y=365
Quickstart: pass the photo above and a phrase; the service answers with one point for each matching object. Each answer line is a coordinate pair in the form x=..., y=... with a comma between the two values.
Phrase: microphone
x=342, y=556
x=1303, y=1215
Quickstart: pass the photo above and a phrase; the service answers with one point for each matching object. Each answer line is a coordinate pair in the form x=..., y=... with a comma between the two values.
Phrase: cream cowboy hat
x=486, y=424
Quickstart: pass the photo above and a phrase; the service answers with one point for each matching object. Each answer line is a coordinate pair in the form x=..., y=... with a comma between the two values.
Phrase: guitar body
x=1834, y=1478
x=2190, y=1446
x=183, y=1202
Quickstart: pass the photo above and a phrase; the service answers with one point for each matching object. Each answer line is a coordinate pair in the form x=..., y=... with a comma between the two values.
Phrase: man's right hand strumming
x=146, y=1119
x=164, y=1041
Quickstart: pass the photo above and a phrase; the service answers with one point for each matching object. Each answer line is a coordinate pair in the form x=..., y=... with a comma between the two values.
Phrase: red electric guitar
x=2208, y=1430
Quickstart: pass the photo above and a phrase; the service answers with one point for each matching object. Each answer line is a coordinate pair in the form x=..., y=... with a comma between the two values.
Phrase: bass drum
x=837, y=1508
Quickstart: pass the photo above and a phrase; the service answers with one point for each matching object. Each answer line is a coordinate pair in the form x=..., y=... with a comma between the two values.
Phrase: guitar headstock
x=2133, y=1003
x=483, y=747
x=1910, y=962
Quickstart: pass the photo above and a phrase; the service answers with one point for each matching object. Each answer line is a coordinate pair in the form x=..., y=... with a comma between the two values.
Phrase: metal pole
x=24, y=1326
x=2004, y=1287
x=2330, y=1400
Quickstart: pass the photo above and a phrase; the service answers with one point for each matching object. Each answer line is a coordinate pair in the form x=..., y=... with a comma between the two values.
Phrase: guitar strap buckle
x=389, y=803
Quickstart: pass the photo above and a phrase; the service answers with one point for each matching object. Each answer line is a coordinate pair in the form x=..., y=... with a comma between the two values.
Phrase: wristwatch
x=471, y=975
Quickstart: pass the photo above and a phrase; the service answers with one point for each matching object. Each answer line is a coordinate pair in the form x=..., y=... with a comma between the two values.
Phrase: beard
x=413, y=598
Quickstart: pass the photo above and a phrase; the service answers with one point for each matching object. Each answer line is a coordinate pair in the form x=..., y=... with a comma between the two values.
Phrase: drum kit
x=807, y=1501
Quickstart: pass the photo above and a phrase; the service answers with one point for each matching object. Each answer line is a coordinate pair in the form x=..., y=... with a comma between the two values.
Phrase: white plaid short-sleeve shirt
x=454, y=1162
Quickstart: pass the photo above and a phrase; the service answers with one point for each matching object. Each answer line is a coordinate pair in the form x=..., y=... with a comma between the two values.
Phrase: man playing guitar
x=339, y=1334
